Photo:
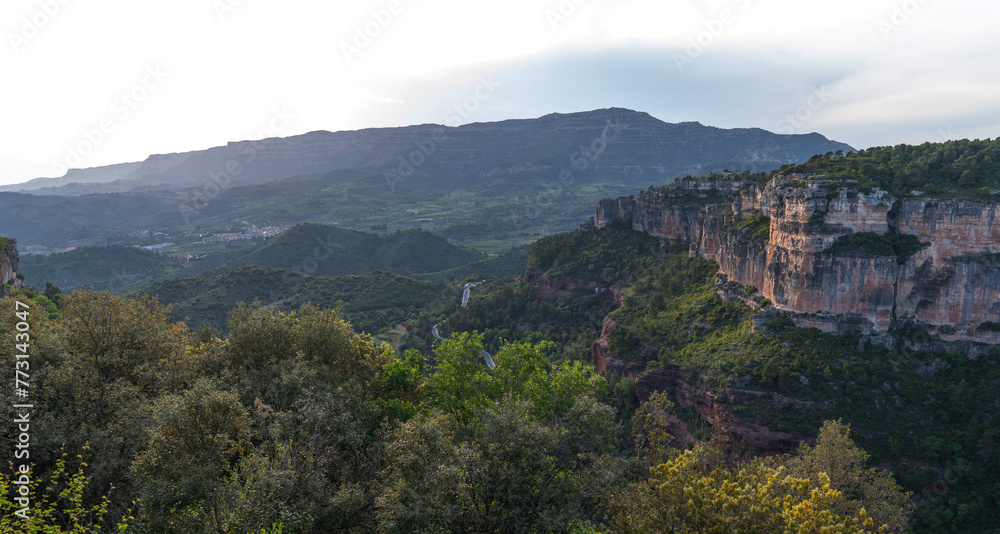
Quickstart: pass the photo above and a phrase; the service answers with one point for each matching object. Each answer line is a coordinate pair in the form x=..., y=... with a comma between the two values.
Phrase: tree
x=526, y=448
x=460, y=384
x=860, y=487
x=699, y=492
x=53, y=293
x=98, y=368
x=650, y=426
x=422, y=487
x=195, y=438
x=58, y=508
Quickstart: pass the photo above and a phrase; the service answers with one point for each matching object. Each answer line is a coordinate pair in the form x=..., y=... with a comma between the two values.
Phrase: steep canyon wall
x=777, y=235
x=8, y=265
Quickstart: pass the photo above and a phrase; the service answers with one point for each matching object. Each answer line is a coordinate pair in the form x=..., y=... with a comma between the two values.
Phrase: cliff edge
x=838, y=255
x=8, y=265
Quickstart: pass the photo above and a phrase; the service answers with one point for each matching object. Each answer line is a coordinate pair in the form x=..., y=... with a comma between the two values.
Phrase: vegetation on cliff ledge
x=873, y=244
x=756, y=226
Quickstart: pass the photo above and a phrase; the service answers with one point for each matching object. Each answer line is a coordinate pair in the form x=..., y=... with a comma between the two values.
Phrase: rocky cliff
x=788, y=237
x=8, y=265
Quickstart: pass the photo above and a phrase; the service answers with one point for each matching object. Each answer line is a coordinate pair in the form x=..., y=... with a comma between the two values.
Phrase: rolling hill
x=371, y=301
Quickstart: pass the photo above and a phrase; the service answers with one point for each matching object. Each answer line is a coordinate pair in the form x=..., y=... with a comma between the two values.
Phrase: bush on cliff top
x=953, y=169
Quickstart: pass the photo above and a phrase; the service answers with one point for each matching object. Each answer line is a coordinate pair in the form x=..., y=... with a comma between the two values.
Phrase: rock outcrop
x=713, y=409
x=563, y=287
x=777, y=237
x=8, y=265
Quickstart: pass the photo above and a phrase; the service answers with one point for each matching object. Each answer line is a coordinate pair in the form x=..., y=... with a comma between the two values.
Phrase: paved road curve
x=486, y=356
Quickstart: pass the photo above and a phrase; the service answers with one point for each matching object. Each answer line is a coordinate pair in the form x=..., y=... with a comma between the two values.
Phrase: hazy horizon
x=123, y=81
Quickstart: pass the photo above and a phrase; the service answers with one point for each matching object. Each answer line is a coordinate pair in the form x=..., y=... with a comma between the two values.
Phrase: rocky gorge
x=822, y=250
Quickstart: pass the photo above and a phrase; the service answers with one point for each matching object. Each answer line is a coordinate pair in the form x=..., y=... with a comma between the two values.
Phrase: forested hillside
x=314, y=249
x=293, y=423
x=375, y=301
x=111, y=267
x=325, y=250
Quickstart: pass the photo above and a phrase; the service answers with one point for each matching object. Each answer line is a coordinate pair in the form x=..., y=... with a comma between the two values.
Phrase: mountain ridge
x=322, y=151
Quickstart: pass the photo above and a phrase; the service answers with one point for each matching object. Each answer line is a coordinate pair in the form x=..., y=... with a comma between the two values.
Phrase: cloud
x=744, y=63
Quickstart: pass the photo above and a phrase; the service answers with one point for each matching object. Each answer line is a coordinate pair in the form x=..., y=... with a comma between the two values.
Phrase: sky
x=94, y=83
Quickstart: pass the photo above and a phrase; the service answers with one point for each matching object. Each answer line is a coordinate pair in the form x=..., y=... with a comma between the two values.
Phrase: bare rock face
x=950, y=287
x=8, y=265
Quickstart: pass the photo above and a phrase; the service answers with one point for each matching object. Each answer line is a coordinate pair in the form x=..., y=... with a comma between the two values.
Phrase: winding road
x=486, y=356
x=465, y=300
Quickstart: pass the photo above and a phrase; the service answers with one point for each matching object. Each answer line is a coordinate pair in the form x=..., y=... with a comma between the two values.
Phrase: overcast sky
x=109, y=81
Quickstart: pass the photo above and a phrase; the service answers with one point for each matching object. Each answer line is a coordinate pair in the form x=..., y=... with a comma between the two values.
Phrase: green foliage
x=327, y=250
x=673, y=305
x=615, y=255
x=872, y=244
x=525, y=448
x=53, y=293
x=756, y=226
x=510, y=262
x=373, y=301
x=699, y=492
x=113, y=267
x=860, y=487
x=59, y=508
x=43, y=302
x=953, y=169
x=195, y=437
x=507, y=309
x=462, y=384
x=650, y=429
x=989, y=326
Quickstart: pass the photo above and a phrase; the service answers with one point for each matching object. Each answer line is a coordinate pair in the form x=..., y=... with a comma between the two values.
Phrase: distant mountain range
x=478, y=182
x=616, y=141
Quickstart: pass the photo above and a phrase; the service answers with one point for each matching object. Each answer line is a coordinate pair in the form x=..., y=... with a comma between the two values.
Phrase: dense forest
x=294, y=423
x=953, y=169
x=371, y=302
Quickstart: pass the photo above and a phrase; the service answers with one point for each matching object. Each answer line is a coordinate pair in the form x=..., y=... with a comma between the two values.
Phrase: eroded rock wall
x=8, y=265
x=950, y=287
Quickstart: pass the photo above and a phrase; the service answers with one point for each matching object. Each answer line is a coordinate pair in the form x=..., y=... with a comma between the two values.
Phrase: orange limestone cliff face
x=8, y=265
x=780, y=237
